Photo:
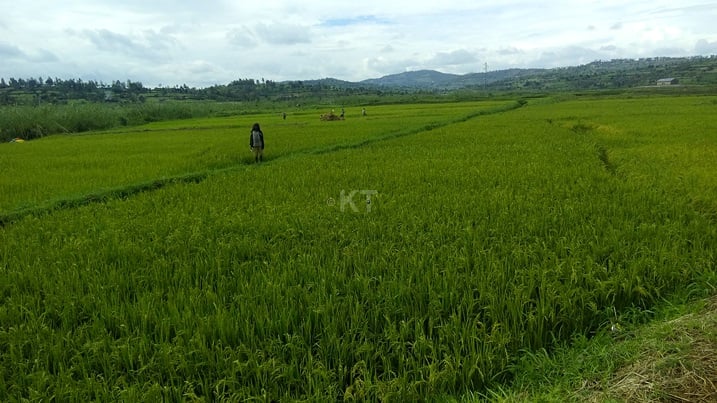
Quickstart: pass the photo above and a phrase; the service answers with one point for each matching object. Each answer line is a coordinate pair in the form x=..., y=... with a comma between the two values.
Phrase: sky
x=213, y=42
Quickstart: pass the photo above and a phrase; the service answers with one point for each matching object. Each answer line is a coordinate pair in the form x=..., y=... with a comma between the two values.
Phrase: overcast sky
x=206, y=42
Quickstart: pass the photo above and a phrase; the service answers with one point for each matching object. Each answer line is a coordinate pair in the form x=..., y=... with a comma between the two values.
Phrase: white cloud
x=461, y=58
x=704, y=46
x=242, y=37
x=216, y=41
x=282, y=34
x=8, y=51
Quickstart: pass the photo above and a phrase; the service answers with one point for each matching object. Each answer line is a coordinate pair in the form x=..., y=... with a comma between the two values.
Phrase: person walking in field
x=256, y=142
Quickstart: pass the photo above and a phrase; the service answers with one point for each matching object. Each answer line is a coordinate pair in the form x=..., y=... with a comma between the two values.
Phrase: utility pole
x=485, y=77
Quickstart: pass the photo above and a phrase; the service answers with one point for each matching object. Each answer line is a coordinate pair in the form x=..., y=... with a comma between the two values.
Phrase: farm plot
x=415, y=267
x=55, y=169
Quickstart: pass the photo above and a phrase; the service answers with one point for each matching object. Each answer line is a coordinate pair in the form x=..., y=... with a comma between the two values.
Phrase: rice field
x=411, y=254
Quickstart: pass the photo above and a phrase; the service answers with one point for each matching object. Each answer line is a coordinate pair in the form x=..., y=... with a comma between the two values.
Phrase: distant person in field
x=256, y=142
x=363, y=111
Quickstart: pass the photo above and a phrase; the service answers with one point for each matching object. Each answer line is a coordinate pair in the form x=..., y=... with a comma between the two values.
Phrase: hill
x=690, y=72
x=416, y=79
x=431, y=79
x=612, y=74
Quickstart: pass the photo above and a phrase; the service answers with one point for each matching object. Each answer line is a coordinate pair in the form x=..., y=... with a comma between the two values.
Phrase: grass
x=491, y=236
x=45, y=173
x=32, y=122
x=672, y=358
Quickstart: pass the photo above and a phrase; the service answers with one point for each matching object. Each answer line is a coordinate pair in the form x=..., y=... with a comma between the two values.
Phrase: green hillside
x=618, y=74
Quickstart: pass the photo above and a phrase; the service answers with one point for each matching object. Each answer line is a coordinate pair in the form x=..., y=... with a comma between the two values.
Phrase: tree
x=118, y=86
x=135, y=87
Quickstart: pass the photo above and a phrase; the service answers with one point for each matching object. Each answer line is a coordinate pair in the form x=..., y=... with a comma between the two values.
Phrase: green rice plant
x=48, y=172
x=483, y=239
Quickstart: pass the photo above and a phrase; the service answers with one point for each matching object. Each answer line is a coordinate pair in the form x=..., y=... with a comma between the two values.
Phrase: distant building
x=667, y=81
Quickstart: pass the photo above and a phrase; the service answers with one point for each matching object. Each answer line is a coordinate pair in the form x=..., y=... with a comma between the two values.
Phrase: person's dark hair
x=256, y=127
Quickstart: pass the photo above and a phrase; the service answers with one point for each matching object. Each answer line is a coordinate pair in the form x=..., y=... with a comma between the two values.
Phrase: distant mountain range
x=432, y=79
x=618, y=73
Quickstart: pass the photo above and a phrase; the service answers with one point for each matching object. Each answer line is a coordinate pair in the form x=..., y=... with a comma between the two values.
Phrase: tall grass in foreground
x=31, y=122
x=486, y=238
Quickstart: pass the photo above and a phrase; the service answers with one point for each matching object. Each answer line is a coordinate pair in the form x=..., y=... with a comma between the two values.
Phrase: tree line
x=36, y=91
